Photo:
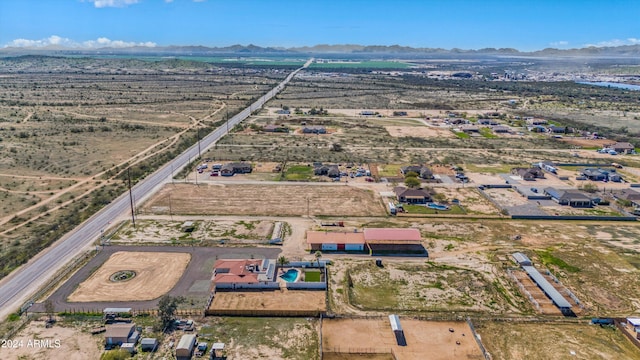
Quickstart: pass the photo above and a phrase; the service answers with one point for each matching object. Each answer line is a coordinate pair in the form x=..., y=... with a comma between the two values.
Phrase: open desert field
x=266, y=301
x=155, y=274
x=72, y=344
x=282, y=200
x=505, y=341
x=419, y=131
x=425, y=339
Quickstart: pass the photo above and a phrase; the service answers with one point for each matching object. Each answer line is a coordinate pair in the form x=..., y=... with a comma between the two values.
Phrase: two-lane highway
x=16, y=288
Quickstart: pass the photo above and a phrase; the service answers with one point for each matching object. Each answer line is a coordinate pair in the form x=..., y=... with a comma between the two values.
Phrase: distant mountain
x=625, y=50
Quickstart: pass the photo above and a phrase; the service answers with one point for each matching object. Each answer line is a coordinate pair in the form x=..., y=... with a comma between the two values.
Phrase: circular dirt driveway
x=155, y=274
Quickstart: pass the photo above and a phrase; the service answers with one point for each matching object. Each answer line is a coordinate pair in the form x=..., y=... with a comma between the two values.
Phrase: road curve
x=17, y=287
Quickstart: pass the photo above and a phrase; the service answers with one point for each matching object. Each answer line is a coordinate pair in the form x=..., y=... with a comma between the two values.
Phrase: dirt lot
x=506, y=197
x=160, y=231
x=470, y=199
x=419, y=131
x=270, y=300
x=585, y=142
x=64, y=343
x=156, y=274
x=425, y=339
x=555, y=341
x=283, y=200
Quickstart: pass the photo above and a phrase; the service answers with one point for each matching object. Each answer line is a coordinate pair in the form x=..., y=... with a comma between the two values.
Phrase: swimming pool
x=437, y=206
x=291, y=275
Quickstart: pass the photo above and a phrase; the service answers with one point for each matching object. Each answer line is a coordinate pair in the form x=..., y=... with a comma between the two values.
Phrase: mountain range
x=623, y=51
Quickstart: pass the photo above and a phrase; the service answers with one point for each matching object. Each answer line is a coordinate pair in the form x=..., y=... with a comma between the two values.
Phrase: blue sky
x=467, y=24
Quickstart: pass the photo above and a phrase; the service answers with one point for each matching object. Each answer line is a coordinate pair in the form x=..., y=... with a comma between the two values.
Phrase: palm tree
x=282, y=261
x=318, y=255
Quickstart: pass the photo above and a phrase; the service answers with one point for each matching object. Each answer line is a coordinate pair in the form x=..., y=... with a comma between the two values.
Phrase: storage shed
x=185, y=347
x=117, y=334
x=148, y=344
x=130, y=347
x=335, y=241
x=397, y=330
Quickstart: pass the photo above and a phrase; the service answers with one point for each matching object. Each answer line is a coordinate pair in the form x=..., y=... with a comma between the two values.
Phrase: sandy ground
x=506, y=197
x=283, y=200
x=278, y=300
x=55, y=343
x=586, y=142
x=419, y=131
x=156, y=274
x=425, y=339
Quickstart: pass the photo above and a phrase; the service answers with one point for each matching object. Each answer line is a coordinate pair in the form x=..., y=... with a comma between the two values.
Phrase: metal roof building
x=547, y=288
x=521, y=259
x=397, y=330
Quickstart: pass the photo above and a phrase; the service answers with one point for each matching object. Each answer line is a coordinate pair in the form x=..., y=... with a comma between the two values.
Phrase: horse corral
x=268, y=303
x=155, y=274
x=425, y=339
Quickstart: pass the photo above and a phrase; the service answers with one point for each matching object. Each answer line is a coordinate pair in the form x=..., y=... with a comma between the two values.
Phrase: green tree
x=318, y=255
x=412, y=182
x=167, y=307
x=589, y=188
x=119, y=354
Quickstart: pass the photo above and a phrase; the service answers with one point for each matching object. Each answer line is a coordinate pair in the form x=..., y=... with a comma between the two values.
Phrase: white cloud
x=56, y=40
x=560, y=43
x=616, y=42
x=112, y=3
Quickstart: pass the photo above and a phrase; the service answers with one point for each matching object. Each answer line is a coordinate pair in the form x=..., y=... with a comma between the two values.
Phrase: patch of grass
x=461, y=135
x=487, y=133
x=548, y=259
x=298, y=173
x=312, y=276
x=389, y=170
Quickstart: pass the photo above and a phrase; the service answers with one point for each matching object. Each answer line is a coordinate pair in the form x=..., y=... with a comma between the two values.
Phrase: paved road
x=16, y=288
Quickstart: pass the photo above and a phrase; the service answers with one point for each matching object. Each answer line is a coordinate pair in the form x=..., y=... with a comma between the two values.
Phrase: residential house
x=629, y=195
x=367, y=113
x=529, y=174
x=498, y=129
x=118, y=334
x=412, y=196
x=557, y=129
x=275, y=128
x=243, y=271
x=622, y=147
x=422, y=171
x=532, y=121
x=458, y=121
x=601, y=175
x=571, y=197
x=470, y=128
x=235, y=168
x=314, y=130
x=537, y=128
x=331, y=171
x=487, y=122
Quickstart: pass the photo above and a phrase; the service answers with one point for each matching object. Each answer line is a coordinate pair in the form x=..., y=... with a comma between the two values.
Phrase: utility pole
x=308, y=199
x=133, y=215
x=170, y=212
x=199, y=152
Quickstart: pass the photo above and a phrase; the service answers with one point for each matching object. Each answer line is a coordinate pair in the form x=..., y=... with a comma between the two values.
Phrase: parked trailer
x=392, y=209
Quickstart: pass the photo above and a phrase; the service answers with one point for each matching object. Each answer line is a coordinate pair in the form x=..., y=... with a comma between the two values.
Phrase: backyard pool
x=291, y=275
x=437, y=206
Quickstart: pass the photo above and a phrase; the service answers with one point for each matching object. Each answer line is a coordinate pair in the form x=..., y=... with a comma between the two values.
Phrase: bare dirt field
x=283, y=200
x=278, y=300
x=506, y=197
x=156, y=274
x=585, y=142
x=425, y=339
x=72, y=344
x=162, y=230
x=419, y=131
x=555, y=341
